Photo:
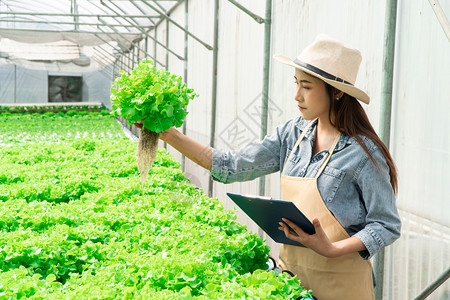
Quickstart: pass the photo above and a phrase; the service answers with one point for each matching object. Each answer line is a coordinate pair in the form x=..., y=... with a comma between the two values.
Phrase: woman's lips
x=300, y=107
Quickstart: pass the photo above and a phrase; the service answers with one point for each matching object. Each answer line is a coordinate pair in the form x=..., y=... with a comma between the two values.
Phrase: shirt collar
x=301, y=124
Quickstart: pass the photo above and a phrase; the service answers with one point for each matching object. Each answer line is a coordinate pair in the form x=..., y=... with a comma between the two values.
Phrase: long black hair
x=348, y=116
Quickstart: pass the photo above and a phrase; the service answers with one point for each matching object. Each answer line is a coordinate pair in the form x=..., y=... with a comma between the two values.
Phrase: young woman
x=333, y=166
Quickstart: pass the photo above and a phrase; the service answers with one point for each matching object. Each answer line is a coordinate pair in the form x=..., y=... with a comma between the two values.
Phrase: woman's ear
x=338, y=94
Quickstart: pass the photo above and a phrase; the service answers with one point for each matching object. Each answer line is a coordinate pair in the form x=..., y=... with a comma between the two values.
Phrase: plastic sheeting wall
x=21, y=85
x=419, y=142
x=24, y=85
x=420, y=146
x=97, y=87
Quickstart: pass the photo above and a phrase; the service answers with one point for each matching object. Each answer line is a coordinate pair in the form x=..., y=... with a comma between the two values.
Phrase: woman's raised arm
x=198, y=153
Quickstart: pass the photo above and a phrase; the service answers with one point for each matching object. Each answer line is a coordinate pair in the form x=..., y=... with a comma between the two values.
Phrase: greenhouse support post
x=114, y=71
x=167, y=58
x=118, y=67
x=139, y=50
x=385, y=109
x=214, y=87
x=155, y=45
x=131, y=58
x=74, y=11
x=146, y=45
x=266, y=75
x=185, y=73
x=167, y=44
x=15, y=83
x=388, y=71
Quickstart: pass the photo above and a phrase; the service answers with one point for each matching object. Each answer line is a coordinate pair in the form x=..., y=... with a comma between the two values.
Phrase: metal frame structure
x=116, y=25
x=434, y=285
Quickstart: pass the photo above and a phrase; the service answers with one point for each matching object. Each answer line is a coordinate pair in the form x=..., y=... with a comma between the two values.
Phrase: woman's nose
x=298, y=96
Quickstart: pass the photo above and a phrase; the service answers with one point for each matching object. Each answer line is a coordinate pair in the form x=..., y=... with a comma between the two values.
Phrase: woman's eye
x=304, y=87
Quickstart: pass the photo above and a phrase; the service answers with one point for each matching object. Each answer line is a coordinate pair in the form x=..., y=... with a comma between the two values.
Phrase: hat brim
x=344, y=87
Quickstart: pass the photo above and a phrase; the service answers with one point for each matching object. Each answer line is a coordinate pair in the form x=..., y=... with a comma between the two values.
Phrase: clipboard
x=267, y=212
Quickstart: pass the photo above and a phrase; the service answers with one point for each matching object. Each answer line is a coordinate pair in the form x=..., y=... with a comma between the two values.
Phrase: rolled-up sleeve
x=383, y=223
x=253, y=160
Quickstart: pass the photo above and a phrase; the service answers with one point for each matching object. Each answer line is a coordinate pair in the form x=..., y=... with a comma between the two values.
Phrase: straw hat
x=333, y=62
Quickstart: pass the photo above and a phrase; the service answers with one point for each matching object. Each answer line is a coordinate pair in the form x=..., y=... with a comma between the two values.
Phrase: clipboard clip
x=257, y=197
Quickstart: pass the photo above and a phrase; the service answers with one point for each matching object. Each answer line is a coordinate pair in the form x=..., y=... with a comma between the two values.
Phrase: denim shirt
x=357, y=193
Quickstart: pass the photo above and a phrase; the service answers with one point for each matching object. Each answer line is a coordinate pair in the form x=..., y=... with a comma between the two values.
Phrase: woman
x=333, y=166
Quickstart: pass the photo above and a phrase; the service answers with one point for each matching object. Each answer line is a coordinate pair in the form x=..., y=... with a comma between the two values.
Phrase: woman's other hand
x=318, y=242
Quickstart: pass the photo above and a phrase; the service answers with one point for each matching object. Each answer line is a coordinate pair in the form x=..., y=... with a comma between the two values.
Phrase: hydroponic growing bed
x=75, y=223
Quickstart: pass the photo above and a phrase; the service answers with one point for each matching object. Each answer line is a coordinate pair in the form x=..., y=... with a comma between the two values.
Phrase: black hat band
x=320, y=72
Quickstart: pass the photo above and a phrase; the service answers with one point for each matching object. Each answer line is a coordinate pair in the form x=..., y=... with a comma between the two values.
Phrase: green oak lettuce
x=155, y=96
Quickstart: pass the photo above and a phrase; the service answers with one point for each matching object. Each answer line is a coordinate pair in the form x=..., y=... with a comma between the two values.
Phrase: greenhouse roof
x=76, y=29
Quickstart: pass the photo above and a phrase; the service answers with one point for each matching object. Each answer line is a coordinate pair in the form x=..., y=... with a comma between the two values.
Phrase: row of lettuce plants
x=52, y=107
x=75, y=222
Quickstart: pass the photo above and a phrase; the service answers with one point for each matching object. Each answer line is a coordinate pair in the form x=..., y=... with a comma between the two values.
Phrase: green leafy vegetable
x=155, y=96
x=74, y=225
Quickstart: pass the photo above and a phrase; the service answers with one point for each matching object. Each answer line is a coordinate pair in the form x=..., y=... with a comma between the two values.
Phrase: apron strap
x=330, y=151
x=297, y=143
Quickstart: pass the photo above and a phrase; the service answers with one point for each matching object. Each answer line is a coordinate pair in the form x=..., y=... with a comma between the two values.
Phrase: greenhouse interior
x=143, y=144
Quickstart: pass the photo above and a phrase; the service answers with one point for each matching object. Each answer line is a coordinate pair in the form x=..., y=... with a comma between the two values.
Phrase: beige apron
x=345, y=277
